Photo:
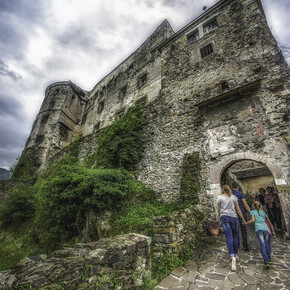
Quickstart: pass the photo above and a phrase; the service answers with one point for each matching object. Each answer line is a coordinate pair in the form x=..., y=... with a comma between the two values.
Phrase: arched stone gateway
x=280, y=179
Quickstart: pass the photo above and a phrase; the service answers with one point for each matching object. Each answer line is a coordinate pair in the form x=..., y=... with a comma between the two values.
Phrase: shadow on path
x=210, y=267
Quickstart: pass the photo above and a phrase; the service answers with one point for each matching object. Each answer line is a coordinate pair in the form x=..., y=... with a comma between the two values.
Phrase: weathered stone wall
x=122, y=88
x=176, y=232
x=117, y=263
x=224, y=94
x=233, y=101
x=67, y=110
x=58, y=120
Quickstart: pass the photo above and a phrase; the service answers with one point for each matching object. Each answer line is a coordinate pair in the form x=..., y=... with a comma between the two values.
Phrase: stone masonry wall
x=117, y=263
x=176, y=232
x=232, y=101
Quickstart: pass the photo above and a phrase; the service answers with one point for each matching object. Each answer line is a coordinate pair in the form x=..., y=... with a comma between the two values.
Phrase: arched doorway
x=279, y=179
x=253, y=177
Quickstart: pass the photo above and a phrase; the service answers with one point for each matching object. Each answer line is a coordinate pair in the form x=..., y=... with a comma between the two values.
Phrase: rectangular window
x=192, y=37
x=210, y=26
x=101, y=106
x=142, y=80
x=207, y=50
x=122, y=92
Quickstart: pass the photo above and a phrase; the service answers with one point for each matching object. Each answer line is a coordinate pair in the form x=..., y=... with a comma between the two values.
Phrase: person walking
x=260, y=218
x=228, y=208
x=273, y=207
x=244, y=207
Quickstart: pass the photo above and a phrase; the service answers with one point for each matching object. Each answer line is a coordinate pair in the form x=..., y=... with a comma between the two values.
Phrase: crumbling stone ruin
x=217, y=89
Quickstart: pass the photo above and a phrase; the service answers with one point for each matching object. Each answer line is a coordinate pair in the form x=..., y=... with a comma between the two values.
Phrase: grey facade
x=219, y=87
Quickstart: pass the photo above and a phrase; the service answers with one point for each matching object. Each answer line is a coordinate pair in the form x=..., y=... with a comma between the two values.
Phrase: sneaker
x=237, y=258
x=267, y=266
x=270, y=263
x=234, y=267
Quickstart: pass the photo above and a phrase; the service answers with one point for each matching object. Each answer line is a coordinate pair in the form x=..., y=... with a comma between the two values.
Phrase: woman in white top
x=228, y=208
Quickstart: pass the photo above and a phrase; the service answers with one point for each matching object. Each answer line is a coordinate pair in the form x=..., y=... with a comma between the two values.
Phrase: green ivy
x=121, y=144
x=72, y=190
x=190, y=178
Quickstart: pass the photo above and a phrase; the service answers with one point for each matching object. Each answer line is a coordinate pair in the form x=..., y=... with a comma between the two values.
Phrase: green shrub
x=72, y=190
x=19, y=207
x=139, y=217
x=121, y=144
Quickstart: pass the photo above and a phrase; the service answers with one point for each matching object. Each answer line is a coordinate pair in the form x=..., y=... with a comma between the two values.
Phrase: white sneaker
x=234, y=267
x=237, y=258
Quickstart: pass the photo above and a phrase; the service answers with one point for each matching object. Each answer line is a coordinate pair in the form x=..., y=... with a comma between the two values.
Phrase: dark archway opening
x=251, y=177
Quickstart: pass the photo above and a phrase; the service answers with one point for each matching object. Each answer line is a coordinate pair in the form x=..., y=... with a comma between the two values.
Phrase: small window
x=51, y=104
x=39, y=139
x=101, y=106
x=44, y=119
x=224, y=86
x=142, y=80
x=192, y=37
x=84, y=118
x=97, y=126
x=210, y=26
x=207, y=50
x=63, y=132
x=122, y=92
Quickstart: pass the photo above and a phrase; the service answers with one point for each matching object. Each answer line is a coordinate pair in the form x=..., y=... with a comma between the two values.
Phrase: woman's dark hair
x=235, y=185
x=262, y=189
x=269, y=187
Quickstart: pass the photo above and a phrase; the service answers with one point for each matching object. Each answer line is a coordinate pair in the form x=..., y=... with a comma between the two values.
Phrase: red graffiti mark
x=260, y=132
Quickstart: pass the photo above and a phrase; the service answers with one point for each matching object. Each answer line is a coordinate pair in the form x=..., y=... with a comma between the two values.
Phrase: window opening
x=225, y=86
x=84, y=118
x=142, y=80
x=122, y=92
x=44, y=119
x=210, y=26
x=101, y=106
x=193, y=37
x=207, y=50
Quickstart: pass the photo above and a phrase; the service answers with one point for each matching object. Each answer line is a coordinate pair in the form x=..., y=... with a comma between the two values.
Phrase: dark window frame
x=122, y=92
x=210, y=26
x=101, y=106
x=142, y=80
x=206, y=50
x=193, y=37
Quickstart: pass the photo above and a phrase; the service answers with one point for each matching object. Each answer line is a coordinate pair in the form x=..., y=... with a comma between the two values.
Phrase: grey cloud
x=29, y=10
x=75, y=36
x=4, y=70
x=11, y=143
x=9, y=106
x=18, y=19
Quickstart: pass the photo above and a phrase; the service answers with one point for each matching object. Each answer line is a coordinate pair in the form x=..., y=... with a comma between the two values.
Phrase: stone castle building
x=217, y=89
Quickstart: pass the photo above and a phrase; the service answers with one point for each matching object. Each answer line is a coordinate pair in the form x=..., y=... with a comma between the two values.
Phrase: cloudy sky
x=44, y=41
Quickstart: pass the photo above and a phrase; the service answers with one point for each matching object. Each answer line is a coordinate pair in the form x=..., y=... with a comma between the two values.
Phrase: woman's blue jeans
x=265, y=245
x=231, y=229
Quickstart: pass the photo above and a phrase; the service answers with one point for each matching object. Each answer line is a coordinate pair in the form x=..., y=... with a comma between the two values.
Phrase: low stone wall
x=174, y=233
x=116, y=263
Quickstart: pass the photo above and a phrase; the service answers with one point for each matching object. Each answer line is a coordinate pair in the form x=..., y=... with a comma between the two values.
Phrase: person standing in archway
x=228, y=208
x=244, y=207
